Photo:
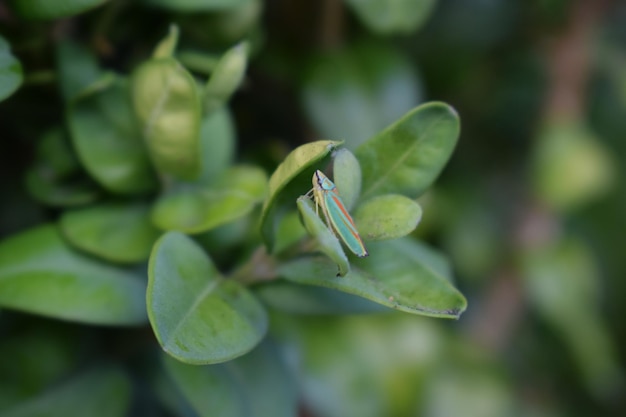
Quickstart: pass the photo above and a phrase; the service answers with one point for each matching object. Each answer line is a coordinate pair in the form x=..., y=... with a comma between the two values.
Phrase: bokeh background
x=530, y=209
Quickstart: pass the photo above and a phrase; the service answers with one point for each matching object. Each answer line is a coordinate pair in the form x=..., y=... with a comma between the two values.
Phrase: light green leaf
x=197, y=5
x=347, y=176
x=108, y=139
x=226, y=77
x=197, y=316
x=326, y=239
x=97, y=393
x=167, y=103
x=291, y=179
x=388, y=216
x=217, y=144
x=196, y=208
x=392, y=17
x=393, y=275
x=40, y=274
x=45, y=9
x=115, y=232
x=10, y=70
x=407, y=156
x=167, y=47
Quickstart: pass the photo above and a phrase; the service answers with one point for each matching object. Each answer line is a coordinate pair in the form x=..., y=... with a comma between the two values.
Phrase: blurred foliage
x=159, y=255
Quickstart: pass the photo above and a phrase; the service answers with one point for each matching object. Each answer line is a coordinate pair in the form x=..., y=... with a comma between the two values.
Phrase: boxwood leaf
x=347, y=176
x=197, y=5
x=217, y=144
x=198, y=208
x=167, y=103
x=10, y=70
x=198, y=316
x=328, y=243
x=167, y=47
x=407, y=156
x=388, y=216
x=40, y=274
x=395, y=275
x=226, y=77
x=44, y=9
x=103, y=392
x=392, y=17
x=115, y=232
x=291, y=179
x=77, y=68
x=46, y=187
x=108, y=139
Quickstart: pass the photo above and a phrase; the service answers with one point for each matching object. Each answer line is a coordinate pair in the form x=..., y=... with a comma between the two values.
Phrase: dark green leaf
x=115, y=232
x=392, y=17
x=291, y=179
x=108, y=139
x=44, y=9
x=77, y=68
x=40, y=274
x=97, y=393
x=388, y=216
x=347, y=176
x=195, y=209
x=217, y=144
x=328, y=243
x=407, y=157
x=394, y=275
x=197, y=316
x=10, y=70
x=43, y=185
x=197, y=5
x=226, y=77
x=167, y=102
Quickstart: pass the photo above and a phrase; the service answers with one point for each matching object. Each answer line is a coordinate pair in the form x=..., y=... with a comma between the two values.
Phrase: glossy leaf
x=114, y=232
x=10, y=70
x=388, y=216
x=167, y=103
x=195, y=209
x=197, y=316
x=354, y=93
x=291, y=179
x=327, y=242
x=392, y=17
x=197, y=5
x=98, y=393
x=108, y=139
x=347, y=176
x=77, y=68
x=40, y=274
x=407, y=156
x=395, y=275
x=43, y=9
x=254, y=385
x=226, y=77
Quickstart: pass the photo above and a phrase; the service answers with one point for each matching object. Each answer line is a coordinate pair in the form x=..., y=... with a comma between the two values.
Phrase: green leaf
x=10, y=70
x=226, y=77
x=197, y=5
x=195, y=209
x=197, y=316
x=167, y=47
x=40, y=274
x=407, y=157
x=217, y=144
x=291, y=179
x=394, y=275
x=392, y=17
x=108, y=139
x=328, y=243
x=387, y=216
x=347, y=176
x=114, y=232
x=44, y=9
x=77, y=68
x=101, y=392
x=254, y=385
x=167, y=103
x=44, y=186
x=354, y=93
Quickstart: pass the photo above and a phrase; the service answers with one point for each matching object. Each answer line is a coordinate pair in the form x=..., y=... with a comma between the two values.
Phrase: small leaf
x=197, y=5
x=328, y=243
x=40, y=274
x=167, y=47
x=392, y=17
x=197, y=316
x=196, y=209
x=10, y=70
x=217, y=144
x=407, y=157
x=77, y=68
x=393, y=275
x=108, y=139
x=44, y=186
x=101, y=392
x=387, y=216
x=291, y=179
x=115, y=232
x=44, y=9
x=347, y=177
x=226, y=77
x=167, y=103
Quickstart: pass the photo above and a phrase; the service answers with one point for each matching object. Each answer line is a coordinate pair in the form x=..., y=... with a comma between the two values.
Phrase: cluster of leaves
x=143, y=181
